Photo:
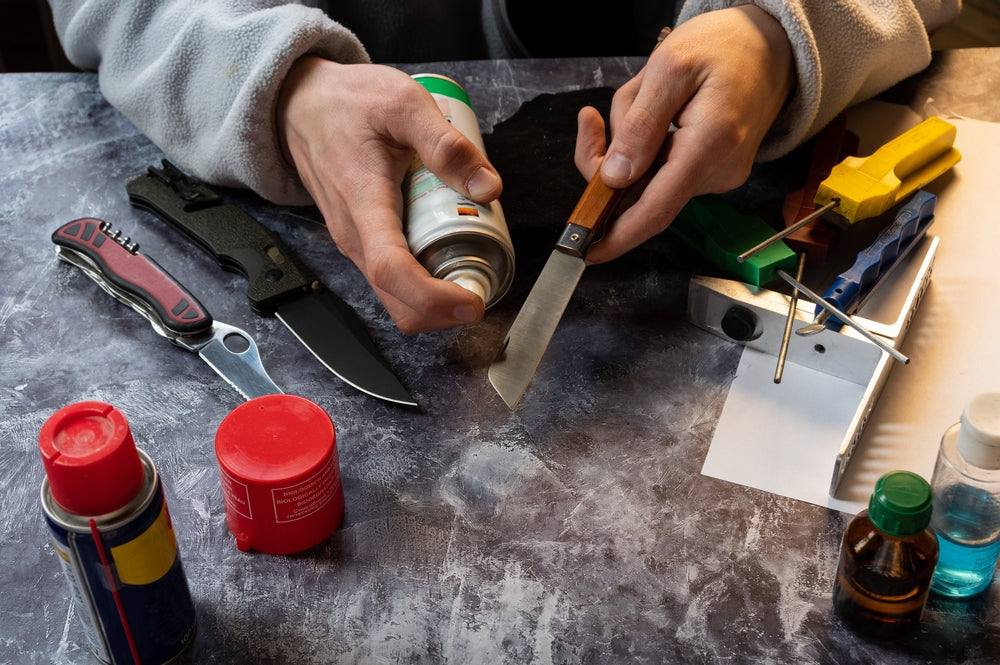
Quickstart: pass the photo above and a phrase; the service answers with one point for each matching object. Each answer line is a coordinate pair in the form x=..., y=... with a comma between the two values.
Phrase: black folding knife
x=280, y=284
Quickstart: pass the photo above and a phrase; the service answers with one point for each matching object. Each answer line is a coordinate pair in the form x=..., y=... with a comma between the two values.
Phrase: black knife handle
x=114, y=262
x=237, y=241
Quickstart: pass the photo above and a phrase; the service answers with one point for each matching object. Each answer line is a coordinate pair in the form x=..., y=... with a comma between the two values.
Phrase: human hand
x=350, y=131
x=721, y=78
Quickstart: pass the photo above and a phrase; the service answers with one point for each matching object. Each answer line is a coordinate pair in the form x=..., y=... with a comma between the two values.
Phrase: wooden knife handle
x=592, y=211
x=596, y=204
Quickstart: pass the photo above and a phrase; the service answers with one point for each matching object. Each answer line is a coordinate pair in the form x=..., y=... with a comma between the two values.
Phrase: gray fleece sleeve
x=201, y=79
x=845, y=51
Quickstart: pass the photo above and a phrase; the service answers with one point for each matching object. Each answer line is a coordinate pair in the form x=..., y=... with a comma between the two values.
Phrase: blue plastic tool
x=853, y=287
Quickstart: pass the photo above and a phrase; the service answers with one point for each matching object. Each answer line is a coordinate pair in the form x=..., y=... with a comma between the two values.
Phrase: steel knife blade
x=535, y=323
x=280, y=284
x=114, y=262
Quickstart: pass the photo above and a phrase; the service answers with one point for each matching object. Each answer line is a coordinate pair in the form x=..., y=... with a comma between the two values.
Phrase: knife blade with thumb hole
x=115, y=264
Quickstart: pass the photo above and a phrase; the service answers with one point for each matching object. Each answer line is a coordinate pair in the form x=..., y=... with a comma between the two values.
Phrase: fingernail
x=482, y=184
x=617, y=166
x=466, y=314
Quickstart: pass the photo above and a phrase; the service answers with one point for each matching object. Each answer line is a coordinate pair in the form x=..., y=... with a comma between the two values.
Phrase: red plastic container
x=280, y=474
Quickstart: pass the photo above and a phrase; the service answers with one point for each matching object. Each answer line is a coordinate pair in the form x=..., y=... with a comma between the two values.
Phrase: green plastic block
x=720, y=233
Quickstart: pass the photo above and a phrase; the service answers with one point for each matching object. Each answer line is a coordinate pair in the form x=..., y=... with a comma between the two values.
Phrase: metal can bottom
x=477, y=261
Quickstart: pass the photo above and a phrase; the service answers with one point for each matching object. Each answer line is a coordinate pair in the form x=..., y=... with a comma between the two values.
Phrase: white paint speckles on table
x=576, y=529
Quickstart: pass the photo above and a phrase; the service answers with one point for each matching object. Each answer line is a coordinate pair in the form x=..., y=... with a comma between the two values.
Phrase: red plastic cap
x=274, y=440
x=90, y=458
x=280, y=474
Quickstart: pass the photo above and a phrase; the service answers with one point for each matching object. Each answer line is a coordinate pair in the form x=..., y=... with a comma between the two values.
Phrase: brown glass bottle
x=887, y=559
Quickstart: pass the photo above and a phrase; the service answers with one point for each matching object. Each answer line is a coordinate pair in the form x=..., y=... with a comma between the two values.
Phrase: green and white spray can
x=453, y=237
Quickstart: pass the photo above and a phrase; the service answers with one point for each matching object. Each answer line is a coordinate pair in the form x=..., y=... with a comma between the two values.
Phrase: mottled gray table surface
x=576, y=529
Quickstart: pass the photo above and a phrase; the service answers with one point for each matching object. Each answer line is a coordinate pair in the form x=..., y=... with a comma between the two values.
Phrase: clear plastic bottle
x=887, y=558
x=966, y=485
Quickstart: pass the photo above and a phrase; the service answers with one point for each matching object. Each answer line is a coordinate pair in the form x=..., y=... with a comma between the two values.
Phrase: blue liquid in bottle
x=966, y=514
x=968, y=540
x=963, y=570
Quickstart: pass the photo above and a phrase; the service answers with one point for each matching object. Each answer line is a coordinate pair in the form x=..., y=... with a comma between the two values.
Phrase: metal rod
x=880, y=343
x=793, y=305
x=788, y=231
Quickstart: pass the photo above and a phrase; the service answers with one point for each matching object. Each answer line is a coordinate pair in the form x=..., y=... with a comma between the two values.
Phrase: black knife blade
x=280, y=284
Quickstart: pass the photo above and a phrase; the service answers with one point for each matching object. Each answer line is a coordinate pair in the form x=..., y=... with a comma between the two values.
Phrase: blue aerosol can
x=105, y=507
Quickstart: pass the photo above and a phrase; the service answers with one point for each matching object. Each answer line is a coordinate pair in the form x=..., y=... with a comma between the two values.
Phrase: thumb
x=590, y=141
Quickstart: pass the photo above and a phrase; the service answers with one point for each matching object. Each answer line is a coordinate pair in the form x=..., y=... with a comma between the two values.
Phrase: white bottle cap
x=979, y=433
x=472, y=280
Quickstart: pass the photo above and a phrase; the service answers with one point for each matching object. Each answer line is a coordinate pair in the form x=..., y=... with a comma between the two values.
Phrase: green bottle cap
x=901, y=504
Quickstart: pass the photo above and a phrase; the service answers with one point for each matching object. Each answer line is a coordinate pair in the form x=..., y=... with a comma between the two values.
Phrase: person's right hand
x=351, y=131
x=691, y=121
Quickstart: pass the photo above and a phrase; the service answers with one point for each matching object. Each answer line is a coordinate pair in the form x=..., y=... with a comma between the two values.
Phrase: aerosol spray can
x=454, y=238
x=104, y=504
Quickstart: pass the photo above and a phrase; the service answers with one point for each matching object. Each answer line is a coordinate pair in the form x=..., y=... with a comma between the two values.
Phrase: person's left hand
x=721, y=79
